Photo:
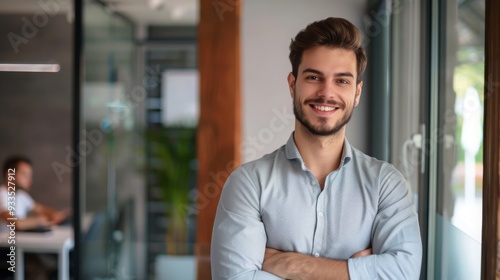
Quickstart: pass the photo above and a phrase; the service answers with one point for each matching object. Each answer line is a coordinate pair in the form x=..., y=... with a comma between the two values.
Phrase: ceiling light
x=29, y=67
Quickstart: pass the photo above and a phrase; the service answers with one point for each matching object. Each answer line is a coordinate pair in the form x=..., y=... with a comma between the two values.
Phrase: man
x=317, y=208
x=30, y=214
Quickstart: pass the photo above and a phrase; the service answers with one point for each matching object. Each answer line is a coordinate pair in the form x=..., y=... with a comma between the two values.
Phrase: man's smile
x=324, y=109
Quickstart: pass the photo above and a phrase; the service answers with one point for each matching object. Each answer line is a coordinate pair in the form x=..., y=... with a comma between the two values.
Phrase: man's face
x=24, y=175
x=325, y=91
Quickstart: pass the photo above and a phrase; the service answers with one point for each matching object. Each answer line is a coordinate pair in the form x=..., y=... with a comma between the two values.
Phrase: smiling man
x=317, y=208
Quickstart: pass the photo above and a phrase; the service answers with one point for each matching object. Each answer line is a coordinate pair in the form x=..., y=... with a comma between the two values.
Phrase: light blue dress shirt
x=277, y=202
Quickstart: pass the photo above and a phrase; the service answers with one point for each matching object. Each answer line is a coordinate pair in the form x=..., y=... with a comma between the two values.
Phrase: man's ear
x=291, y=83
x=359, y=89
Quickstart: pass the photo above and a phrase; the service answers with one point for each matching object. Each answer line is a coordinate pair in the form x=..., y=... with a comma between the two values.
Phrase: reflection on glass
x=459, y=211
x=467, y=177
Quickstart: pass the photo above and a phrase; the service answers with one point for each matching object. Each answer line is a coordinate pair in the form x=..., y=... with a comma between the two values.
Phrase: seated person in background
x=30, y=214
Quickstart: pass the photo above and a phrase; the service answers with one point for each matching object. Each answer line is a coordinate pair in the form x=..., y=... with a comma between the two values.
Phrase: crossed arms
x=240, y=241
x=290, y=265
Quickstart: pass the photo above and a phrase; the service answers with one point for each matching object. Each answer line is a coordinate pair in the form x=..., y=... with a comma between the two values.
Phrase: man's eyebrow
x=311, y=70
x=344, y=74
x=315, y=71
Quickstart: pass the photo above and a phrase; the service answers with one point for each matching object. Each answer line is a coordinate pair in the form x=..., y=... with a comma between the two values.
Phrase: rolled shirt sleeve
x=239, y=237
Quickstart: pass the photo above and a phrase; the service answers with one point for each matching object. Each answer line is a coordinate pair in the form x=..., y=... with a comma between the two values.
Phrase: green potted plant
x=173, y=151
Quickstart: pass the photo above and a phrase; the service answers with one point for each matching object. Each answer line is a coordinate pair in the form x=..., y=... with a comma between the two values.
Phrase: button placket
x=319, y=230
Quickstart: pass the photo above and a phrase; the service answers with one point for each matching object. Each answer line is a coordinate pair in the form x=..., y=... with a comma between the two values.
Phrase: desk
x=59, y=241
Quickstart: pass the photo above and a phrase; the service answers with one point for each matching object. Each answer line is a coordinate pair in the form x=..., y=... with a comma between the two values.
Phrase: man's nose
x=327, y=89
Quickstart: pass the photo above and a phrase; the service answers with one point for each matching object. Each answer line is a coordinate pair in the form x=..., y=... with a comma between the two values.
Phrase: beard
x=321, y=129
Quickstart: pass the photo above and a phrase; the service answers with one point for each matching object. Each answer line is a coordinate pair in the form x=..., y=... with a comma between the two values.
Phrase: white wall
x=266, y=30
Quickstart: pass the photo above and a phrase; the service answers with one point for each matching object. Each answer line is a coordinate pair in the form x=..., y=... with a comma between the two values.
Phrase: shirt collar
x=292, y=152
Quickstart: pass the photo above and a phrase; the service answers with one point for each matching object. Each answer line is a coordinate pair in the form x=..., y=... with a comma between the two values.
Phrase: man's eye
x=342, y=81
x=314, y=78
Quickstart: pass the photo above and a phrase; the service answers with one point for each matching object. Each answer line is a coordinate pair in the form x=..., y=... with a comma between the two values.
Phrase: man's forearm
x=322, y=269
x=28, y=223
x=290, y=265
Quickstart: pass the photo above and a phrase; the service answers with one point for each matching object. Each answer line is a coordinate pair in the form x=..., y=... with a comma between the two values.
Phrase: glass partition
x=139, y=118
x=112, y=187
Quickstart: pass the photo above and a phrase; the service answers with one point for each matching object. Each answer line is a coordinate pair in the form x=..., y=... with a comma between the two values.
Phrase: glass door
x=458, y=139
x=437, y=76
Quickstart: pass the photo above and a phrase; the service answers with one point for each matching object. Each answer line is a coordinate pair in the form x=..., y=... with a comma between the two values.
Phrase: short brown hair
x=330, y=32
x=13, y=162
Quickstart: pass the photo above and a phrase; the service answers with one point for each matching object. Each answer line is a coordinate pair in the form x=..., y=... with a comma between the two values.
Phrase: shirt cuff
x=263, y=275
x=361, y=268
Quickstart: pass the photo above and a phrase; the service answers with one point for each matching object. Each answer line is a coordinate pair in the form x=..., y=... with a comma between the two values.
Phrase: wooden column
x=219, y=130
x=491, y=160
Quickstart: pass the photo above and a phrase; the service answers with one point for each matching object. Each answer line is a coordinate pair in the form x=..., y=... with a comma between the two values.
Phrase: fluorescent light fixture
x=29, y=67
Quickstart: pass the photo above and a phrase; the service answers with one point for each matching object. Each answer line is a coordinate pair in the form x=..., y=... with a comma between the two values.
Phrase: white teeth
x=324, y=108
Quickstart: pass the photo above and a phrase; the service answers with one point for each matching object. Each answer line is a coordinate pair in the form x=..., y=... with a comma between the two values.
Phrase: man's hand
x=54, y=217
x=57, y=217
x=362, y=253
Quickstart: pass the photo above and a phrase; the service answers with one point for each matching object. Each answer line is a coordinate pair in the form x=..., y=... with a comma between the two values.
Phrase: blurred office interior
x=134, y=112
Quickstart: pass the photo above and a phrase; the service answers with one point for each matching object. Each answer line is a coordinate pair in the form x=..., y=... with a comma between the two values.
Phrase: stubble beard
x=321, y=129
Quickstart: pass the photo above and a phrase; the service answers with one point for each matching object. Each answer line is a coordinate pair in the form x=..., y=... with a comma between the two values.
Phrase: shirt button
x=320, y=214
x=313, y=182
x=316, y=255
